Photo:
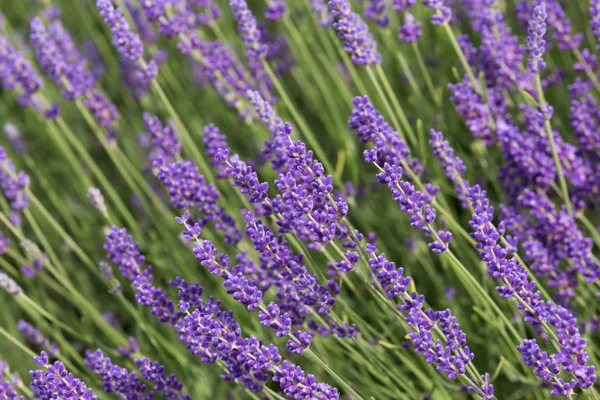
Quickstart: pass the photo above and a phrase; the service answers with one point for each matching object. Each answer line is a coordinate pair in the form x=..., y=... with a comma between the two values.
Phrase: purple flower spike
x=9, y=383
x=256, y=49
x=536, y=45
x=36, y=337
x=411, y=31
x=376, y=11
x=354, y=33
x=55, y=382
x=17, y=74
x=443, y=13
x=13, y=135
x=8, y=284
x=321, y=11
x=275, y=9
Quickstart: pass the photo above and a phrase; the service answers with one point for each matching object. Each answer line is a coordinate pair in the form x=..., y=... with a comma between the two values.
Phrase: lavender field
x=299, y=199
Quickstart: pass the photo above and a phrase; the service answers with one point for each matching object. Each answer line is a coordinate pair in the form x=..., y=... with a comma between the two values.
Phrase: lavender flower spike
x=354, y=33
x=97, y=200
x=376, y=11
x=8, y=284
x=35, y=336
x=256, y=50
x=14, y=184
x=443, y=13
x=55, y=382
x=8, y=383
x=128, y=43
x=536, y=45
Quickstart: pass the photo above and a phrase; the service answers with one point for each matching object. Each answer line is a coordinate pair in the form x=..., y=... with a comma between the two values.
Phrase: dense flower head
x=54, y=381
x=275, y=9
x=321, y=11
x=371, y=127
x=536, y=45
x=97, y=199
x=354, y=33
x=12, y=133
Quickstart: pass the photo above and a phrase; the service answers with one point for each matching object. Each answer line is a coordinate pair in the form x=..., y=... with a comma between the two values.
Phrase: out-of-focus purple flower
x=442, y=13
x=536, y=45
x=275, y=9
x=94, y=59
x=354, y=33
x=128, y=43
x=54, y=381
x=214, y=143
x=96, y=198
x=402, y=5
x=163, y=136
x=321, y=11
x=4, y=243
x=36, y=337
x=60, y=58
x=36, y=257
x=256, y=49
x=9, y=383
x=17, y=74
x=101, y=107
x=8, y=284
x=376, y=11
x=14, y=184
x=411, y=30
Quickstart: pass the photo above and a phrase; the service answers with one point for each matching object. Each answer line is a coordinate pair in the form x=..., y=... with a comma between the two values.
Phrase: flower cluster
x=9, y=383
x=189, y=190
x=256, y=50
x=14, y=184
x=536, y=45
x=514, y=282
x=128, y=43
x=54, y=381
x=354, y=33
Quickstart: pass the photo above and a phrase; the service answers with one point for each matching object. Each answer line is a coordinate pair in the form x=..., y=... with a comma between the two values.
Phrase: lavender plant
x=255, y=199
